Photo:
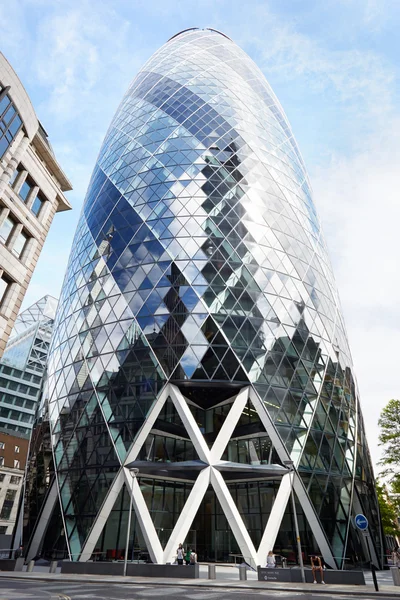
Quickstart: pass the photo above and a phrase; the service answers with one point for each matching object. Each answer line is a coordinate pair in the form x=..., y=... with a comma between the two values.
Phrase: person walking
x=180, y=553
x=193, y=557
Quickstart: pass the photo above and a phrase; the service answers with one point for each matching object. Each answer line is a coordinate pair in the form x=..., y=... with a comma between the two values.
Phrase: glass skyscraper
x=199, y=336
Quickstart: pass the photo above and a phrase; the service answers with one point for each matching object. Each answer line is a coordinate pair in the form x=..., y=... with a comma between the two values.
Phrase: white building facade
x=32, y=186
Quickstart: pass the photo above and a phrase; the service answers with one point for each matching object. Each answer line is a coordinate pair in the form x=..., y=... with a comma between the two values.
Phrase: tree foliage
x=388, y=512
x=389, y=439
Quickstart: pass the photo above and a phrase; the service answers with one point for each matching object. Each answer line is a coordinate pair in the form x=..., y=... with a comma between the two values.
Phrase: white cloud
x=356, y=188
x=358, y=199
x=361, y=80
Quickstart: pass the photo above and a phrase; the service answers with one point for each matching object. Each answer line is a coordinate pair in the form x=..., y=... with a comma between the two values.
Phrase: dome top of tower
x=199, y=29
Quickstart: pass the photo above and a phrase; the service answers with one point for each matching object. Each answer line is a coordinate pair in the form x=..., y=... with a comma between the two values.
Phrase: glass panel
x=6, y=229
x=37, y=205
x=25, y=189
x=3, y=288
x=19, y=244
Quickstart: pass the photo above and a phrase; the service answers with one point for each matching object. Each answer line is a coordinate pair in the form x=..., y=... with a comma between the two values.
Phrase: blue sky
x=334, y=66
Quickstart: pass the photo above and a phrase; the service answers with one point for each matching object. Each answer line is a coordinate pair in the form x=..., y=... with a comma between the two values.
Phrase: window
x=3, y=529
x=10, y=123
x=19, y=244
x=2, y=445
x=26, y=187
x=16, y=449
x=1, y=461
x=14, y=175
x=8, y=504
x=14, y=480
x=37, y=205
x=4, y=284
x=16, y=464
x=10, y=495
x=2, y=476
x=6, y=228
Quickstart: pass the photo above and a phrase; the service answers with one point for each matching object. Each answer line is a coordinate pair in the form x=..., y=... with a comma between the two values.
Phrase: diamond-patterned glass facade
x=199, y=263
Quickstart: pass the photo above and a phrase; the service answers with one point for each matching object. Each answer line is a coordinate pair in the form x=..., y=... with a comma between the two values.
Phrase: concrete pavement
x=227, y=577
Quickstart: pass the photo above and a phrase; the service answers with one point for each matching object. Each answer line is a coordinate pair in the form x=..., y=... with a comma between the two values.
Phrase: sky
x=334, y=66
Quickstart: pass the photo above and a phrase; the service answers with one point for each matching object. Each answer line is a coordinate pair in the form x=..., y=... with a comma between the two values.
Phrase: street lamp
x=290, y=465
x=133, y=473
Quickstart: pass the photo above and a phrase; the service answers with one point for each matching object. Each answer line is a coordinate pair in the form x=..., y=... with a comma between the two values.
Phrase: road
x=39, y=590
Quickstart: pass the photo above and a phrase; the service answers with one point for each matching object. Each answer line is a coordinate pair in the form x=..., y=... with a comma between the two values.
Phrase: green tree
x=388, y=511
x=389, y=439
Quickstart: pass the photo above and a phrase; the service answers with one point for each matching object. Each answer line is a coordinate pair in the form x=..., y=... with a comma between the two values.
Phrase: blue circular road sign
x=361, y=522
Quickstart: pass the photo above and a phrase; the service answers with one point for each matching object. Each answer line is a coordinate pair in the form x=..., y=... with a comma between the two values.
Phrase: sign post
x=361, y=522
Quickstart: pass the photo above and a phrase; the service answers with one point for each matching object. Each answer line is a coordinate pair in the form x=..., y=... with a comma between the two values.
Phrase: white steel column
x=234, y=519
x=229, y=425
x=190, y=424
x=302, y=496
x=43, y=521
x=147, y=426
x=274, y=520
x=188, y=514
x=102, y=516
x=144, y=518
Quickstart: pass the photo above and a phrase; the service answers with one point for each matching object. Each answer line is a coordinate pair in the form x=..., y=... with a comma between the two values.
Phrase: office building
x=199, y=336
x=13, y=454
x=23, y=364
x=22, y=370
x=32, y=186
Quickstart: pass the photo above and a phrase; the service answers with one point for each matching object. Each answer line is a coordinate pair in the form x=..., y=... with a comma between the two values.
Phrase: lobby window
x=6, y=229
x=2, y=476
x=37, y=205
x=10, y=122
x=19, y=244
x=14, y=479
x=3, y=529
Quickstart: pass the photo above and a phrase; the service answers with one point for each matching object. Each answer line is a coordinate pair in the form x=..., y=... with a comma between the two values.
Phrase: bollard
x=373, y=571
x=53, y=566
x=242, y=572
x=31, y=565
x=395, y=575
x=212, y=571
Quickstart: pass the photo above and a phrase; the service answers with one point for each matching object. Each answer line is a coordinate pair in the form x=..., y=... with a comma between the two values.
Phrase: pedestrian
x=396, y=557
x=316, y=567
x=271, y=562
x=180, y=553
x=193, y=557
x=19, y=553
x=187, y=557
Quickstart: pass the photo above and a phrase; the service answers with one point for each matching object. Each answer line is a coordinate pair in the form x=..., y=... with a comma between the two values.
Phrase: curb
x=203, y=584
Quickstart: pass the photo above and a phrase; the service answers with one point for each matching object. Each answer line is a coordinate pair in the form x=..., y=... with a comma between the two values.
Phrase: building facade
x=32, y=187
x=22, y=369
x=13, y=455
x=23, y=365
x=199, y=336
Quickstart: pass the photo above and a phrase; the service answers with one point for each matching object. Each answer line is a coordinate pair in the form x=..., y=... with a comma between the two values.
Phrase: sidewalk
x=221, y=582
